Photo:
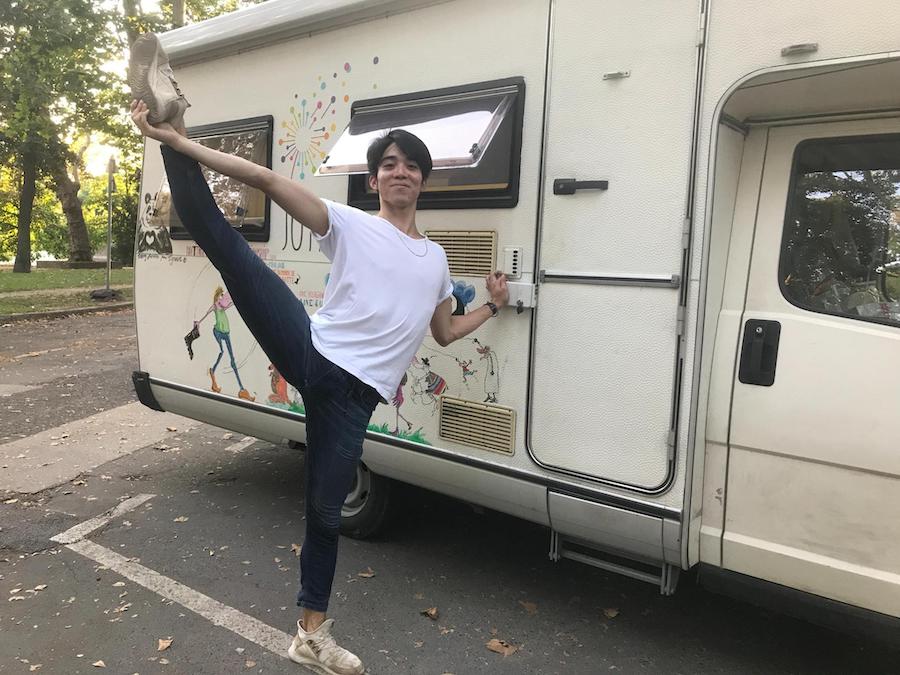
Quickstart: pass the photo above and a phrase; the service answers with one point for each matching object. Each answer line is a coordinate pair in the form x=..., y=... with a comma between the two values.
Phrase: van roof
x=273, y=21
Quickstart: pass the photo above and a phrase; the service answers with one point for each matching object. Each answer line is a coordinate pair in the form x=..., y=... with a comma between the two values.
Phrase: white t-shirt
x=380, y=296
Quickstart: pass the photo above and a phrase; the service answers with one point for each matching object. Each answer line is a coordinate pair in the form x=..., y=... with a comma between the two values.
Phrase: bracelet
x=491, y=306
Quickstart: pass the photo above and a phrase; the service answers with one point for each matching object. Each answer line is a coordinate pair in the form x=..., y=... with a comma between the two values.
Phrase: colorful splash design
x=316, y=119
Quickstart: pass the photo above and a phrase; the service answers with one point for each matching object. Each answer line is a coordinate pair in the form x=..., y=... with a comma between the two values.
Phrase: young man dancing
x=388, y=284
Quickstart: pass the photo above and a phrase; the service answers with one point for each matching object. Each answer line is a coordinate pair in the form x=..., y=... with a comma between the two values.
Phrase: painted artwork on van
x=315, y=119
x=283, y=395
x=221, y=331
x=153, y=235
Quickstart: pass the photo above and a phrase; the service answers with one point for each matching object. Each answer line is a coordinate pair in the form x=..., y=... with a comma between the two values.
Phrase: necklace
x=406, y=246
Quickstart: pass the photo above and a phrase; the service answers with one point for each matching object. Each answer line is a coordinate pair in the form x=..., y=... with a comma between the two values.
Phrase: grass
x=45, y=302
x=48, y=279
x=416, y=436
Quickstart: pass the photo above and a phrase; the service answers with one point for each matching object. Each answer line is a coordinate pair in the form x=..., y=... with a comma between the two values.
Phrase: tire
x=366, y=510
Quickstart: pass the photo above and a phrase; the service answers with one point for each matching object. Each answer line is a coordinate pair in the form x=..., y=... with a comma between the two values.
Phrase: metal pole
x=110, y=188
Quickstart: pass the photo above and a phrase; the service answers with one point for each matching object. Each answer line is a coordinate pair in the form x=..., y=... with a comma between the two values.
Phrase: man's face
x=399, y=179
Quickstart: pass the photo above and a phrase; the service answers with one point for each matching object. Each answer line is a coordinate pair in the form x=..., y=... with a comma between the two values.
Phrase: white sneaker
x=319, y=652
x=152, y=81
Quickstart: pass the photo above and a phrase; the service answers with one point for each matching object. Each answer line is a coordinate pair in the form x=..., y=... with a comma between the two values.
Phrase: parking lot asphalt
x=198, y=547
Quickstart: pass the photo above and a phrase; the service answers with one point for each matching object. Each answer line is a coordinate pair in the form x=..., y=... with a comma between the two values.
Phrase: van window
x=473, y=132
x=246, y=208
x=841, y=250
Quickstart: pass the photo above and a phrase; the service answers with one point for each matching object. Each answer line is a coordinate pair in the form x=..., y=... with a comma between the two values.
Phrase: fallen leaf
x=501, y=647
x=119, y=584
x=164, y=644
x=367, y=573
x=79, y=482
x=431, y=613
x=240, y=650
x=171, y=429
x=11, y=501
x=15, y=590
x=164, y=662
x=250, y=664
x=35, y=666
x=16, y=597
x=295, y=549
x=419, y=596
x=610, y=612
x=529, y=607
x=40, y=587
x=98, y=664
x=419, y=643
x=180, y=519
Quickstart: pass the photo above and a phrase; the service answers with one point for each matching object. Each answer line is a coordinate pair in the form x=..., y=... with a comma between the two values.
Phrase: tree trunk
x=177, y=13
x=67, y=192
x=26, y=204
x=132, y=12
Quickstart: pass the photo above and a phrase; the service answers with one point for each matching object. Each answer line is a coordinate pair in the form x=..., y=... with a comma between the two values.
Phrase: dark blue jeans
x=338, y=405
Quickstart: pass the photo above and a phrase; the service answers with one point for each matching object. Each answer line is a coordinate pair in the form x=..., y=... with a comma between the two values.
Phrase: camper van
x=697, y=204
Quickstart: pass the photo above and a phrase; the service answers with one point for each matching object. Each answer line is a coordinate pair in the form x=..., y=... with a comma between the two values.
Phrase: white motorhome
x=697, y=204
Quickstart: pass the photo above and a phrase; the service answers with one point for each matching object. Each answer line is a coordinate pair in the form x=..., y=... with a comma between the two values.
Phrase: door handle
x=568, y=186
x=759, y=352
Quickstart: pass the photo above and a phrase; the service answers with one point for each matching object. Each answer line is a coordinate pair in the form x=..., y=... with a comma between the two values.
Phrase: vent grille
x=469, y=253
x=479, y=425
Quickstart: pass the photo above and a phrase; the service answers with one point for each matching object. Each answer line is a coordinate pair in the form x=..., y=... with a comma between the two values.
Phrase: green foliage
x=48, y=228
x=52, y=74
x=53, y=83
x=413, y=436
x=198, y=10
x=95, y=202
x=56, y=85
x=52, y=278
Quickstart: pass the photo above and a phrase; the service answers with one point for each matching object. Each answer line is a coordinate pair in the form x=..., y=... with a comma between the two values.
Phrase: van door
x=616, y=166
x=813, y=477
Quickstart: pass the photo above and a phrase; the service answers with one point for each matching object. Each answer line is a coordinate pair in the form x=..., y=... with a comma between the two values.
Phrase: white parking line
x=214, y=611
x=82, y=530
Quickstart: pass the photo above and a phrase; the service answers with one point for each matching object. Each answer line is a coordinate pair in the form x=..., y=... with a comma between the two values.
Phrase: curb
x=60, y=313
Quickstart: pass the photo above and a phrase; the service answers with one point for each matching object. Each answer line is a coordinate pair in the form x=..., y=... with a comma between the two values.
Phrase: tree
x=175, y=13
x=52, y=82
x=47, y=231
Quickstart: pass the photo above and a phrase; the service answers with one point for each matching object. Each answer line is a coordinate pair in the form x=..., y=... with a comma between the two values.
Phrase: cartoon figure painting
x=279, y=387
x=467, y=372
x=153, y=234
x=397, y=401
x=427, y=386
x=222, y=332
x=491, y=373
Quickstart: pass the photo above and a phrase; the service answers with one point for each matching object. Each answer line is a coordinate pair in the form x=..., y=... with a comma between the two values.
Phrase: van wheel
x=365, y=511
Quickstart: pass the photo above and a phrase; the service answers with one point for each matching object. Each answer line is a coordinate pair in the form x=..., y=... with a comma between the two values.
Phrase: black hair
x=411, y=145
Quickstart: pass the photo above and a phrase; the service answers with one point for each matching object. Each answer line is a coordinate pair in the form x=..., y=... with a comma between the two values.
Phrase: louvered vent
x=482, y=426
x=470, y=253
